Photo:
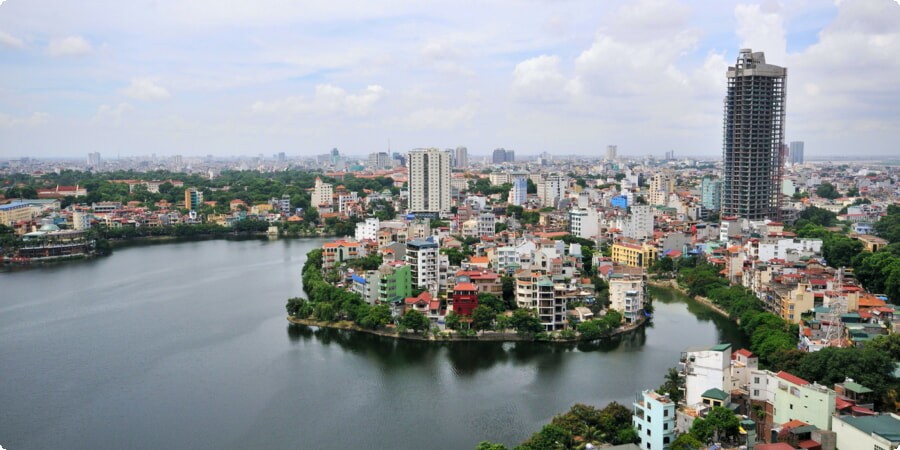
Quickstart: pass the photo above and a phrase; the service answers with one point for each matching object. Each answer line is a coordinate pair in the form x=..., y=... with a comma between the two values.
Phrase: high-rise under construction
x=753, y=149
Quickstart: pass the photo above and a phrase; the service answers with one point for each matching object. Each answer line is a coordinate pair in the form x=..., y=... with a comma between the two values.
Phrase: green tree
x=492, y=301
x=376, y=317
x=687, y=441
x=485, y=445
x=550, y=437
x=720, y=424
x=827, y=190
x=483, y=317
x=525, y=322
x=592, y=329
x=414, y=320
x=325, y=312
x=672, y=385
x=452, y=320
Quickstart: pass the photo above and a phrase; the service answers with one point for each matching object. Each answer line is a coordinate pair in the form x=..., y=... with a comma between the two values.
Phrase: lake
x=186, y=345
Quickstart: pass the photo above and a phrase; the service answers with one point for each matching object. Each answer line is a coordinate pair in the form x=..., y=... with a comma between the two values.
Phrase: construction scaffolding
x=753, y=142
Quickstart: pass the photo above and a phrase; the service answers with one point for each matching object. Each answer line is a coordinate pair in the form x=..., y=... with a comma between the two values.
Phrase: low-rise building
x=654, y=419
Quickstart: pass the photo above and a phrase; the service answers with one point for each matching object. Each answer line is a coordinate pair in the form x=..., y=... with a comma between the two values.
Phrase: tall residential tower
x=754, y=137
x=429, y=181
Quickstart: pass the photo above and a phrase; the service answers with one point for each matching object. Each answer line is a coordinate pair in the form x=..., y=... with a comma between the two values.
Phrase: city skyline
x=234, y=78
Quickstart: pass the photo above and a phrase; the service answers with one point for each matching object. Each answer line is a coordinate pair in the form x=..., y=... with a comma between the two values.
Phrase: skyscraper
x=797, y=152
x=429, y=181
x=462, y=157
x=611, y=151
x=93, y=159
x=753, y=137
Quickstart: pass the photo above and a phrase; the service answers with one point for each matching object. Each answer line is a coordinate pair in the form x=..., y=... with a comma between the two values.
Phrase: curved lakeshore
x=197, y=340
x=450, y=336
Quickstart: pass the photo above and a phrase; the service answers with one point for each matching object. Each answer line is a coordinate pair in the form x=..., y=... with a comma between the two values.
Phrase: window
x=755, y=380
x=792, y=406
x=666, y=440
x=665, y=426
x=666, y=413
x=756, y=392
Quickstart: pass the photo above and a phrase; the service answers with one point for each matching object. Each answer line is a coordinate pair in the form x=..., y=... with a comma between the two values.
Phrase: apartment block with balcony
x=422, y=256
x=535, y=291
x=626, y=294
x=654, y=419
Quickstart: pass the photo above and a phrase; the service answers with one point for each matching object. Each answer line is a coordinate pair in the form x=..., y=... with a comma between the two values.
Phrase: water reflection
x=467, y=358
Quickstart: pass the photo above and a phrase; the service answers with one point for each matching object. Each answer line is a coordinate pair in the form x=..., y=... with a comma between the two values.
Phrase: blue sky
x=568, y=77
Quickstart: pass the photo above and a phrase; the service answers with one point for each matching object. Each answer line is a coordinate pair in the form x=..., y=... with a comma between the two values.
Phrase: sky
x=239, y=77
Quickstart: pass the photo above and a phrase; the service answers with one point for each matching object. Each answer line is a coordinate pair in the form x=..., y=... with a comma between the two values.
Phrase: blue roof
x=358, y=279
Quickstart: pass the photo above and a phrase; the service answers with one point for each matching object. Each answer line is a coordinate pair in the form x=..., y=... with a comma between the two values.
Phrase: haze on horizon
x=238, y=77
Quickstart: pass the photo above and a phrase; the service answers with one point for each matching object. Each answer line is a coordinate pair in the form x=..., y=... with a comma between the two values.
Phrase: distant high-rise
x=661, y=186
x=462, y=157
x=502, y=155
x=429, y=181
x=797, y=152
x=379, y=160
x=93, y=159
x=518, y=195
x=323, y=194
x=611, y=151
x=753, y=137
x=281, y=157
x=711, y=193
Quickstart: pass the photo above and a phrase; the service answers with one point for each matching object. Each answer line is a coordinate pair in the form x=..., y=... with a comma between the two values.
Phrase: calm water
x=186, y=346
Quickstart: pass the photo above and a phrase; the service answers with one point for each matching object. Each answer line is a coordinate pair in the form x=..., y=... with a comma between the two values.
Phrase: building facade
x=796, y=152
x=429, y=181
x=322, y=194
x=654, y=419
x=753, y=137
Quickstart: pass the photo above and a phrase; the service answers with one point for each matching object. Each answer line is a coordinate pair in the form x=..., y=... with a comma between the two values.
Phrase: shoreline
x=7, y=263
x=450, y=336
x=672, y=284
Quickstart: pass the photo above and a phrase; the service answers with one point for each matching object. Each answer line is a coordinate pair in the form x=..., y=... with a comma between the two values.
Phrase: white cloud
x=10, y=40
x=37, y=118
x=762, y=29
x=441, y=118
x=146, y=89
x=540, y=79
x=112, y=114
x=328, y=99
x=69, y=46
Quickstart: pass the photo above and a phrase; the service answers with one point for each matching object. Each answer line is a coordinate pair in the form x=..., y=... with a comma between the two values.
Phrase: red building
x=465, y=298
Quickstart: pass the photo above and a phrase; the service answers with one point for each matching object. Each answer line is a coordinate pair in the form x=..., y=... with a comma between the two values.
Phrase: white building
x=322, y=194
x=422, y=256
x=367, y=229
x=661, y=185
x=81, y=219
x=654, y=419
x=783, y=248
x=639, y=223
x=626, y=295
x=704, y=370
x=518, y=195
x=875, y=432
x=552, y=189
x=429, y=180
x=486, y=222
x=584, y=223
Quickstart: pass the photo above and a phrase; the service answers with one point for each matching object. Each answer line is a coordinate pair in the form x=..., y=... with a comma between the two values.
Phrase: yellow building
x=15, y=212
x=797, y=302
x=634, y=255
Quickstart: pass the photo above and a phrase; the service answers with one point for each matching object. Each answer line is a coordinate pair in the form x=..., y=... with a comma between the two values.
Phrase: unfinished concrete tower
x=753, y=149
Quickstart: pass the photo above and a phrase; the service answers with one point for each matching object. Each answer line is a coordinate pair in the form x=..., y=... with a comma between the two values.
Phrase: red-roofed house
x=465, y=298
